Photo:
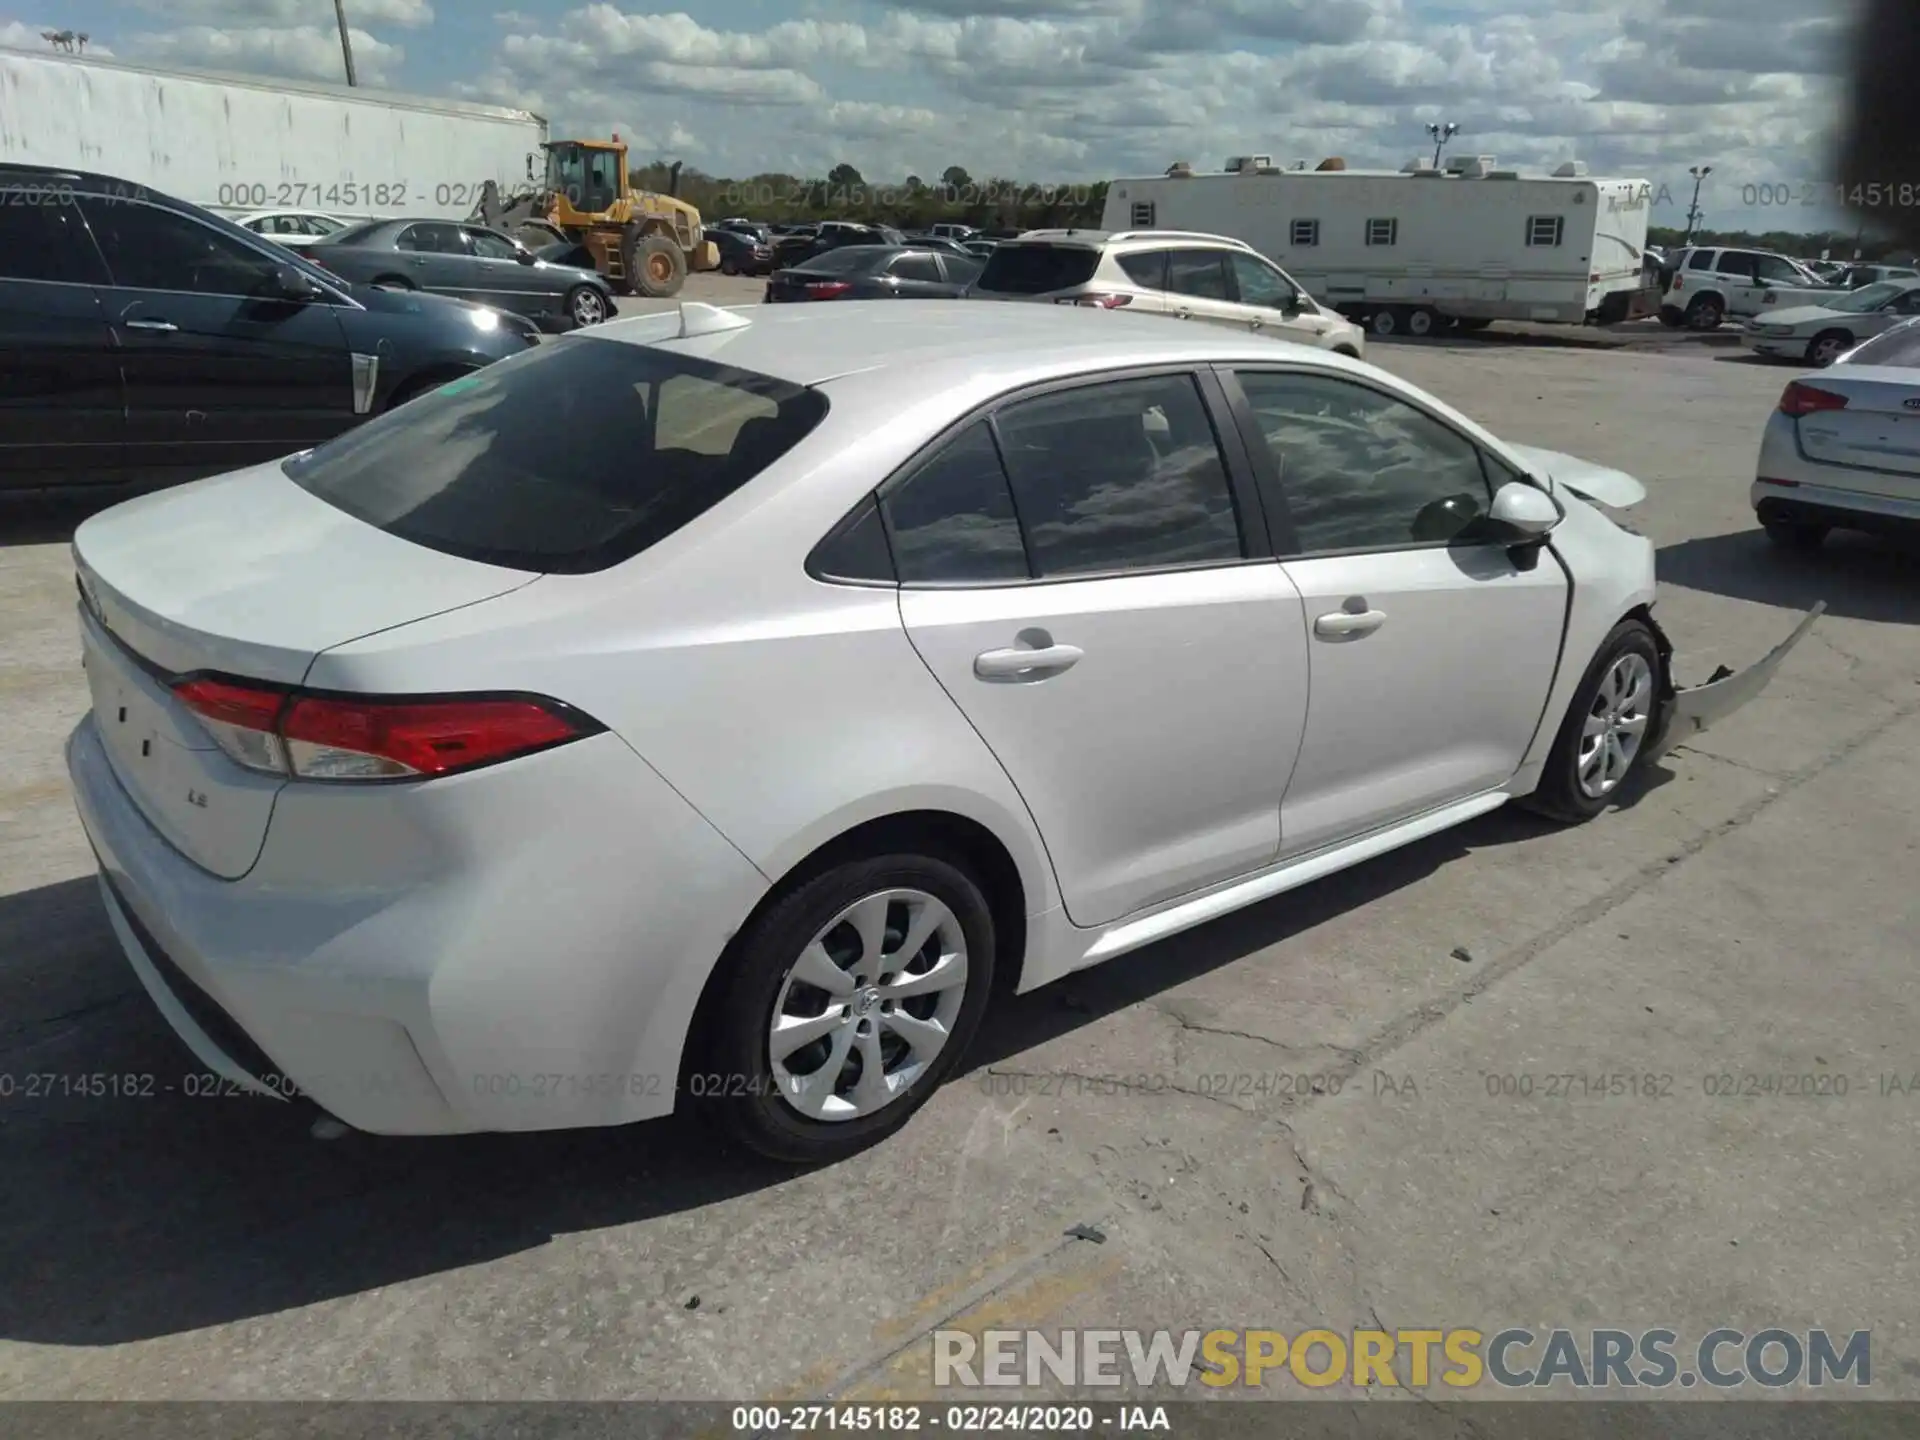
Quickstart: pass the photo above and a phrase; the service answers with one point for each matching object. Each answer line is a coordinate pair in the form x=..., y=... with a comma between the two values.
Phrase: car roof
x=1126, y=239
x=946, y=341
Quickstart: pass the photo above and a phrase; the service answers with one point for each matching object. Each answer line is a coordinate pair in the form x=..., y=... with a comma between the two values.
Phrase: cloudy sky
x=1069, y=90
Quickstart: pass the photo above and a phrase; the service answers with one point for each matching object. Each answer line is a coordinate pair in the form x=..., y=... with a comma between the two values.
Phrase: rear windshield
x=1037, y=269
x=850, y=259
x=565, y=460
x=351, y=235
x=1898, y=346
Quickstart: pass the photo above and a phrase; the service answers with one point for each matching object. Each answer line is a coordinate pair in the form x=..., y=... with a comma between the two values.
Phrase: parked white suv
x=1183, y=274
x=1707, y=284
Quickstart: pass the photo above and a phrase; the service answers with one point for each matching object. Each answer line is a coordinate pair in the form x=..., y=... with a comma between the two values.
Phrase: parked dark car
x=761, y=233
x=942, y=243
x=466, y=262
x=148, y=341
x=876, y=272
x=741, y=254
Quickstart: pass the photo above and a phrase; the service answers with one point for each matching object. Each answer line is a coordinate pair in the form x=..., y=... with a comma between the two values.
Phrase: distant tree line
x=1838, y=245
x=911, y=203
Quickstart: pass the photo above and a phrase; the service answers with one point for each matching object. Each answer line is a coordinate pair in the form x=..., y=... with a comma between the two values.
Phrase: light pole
x=346, y=44
x=1699, y=173
x=1441, y=135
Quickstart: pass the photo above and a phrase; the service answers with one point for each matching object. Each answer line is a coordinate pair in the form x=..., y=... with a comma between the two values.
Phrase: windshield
x=1869, y=297
x=1036, y=269
x=565, y=460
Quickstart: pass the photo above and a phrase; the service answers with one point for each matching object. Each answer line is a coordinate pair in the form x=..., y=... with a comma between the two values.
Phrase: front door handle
x=1022, y=663
x=166, y=327
x=1342, y=623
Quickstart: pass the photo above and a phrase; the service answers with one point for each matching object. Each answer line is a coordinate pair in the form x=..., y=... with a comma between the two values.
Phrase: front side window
x=432, y=239
x=1774, y=267
x=951, y=518
x=1738, y=264
x=915, y=267
x=489, y=246
x=1125, y=475
x=1260, y=284
x=1362, y=470
x=147, y=248
x=564, y=460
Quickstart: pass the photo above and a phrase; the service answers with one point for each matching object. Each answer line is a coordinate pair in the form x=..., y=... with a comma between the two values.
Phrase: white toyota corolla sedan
x=716, y=707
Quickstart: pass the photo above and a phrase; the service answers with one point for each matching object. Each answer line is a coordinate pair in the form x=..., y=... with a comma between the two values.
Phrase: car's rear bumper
x=518, y=949
x=1790, y=486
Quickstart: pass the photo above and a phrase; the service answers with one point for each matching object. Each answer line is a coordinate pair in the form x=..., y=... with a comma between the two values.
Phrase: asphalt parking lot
x=1749, y=911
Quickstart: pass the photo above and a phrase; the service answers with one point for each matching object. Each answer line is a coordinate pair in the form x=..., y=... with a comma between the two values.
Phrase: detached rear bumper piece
x=1686, y=713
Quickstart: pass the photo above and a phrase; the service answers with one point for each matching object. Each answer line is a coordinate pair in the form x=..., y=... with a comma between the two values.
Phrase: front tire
x=1827, y=347
x=851, y=999
x=585, y=306
x=1604, y=736
x=1706, y=312
x=1387, y=322
x=656, y=265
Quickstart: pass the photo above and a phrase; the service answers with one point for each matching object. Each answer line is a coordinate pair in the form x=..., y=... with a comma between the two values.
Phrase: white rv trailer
x=1415, y=249
x=234, y=144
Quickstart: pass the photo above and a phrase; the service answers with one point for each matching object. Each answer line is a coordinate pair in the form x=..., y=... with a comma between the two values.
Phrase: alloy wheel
x=588, y=307
x=868, y=1005
x=1616, y=725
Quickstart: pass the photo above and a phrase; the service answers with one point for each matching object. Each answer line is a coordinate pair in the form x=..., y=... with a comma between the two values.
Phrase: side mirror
x=291, y=284
x=1521, y=513
x=524, y=255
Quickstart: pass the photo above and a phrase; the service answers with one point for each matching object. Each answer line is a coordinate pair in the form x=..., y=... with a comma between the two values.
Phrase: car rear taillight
x=1096, y=302
x=1679, y=282
x=827, y=289
x=365, y=737
x=1801, y=398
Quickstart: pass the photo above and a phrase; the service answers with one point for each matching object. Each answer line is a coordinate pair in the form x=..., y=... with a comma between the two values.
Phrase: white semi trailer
x=1417, y=249
x=240, y=143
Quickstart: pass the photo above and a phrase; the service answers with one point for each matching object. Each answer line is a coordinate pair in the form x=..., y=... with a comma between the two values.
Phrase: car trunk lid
x=249, y=576
x=1876, y=436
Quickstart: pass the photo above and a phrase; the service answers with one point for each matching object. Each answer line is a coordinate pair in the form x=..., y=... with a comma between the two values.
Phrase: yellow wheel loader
x=642, y=241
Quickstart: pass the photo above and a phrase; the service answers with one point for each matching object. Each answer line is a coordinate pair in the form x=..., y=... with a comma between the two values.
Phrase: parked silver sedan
x=1841, y=451
x=1820, y=332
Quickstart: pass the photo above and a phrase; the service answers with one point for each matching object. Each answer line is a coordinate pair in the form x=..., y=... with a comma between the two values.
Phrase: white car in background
x=711, y=707
x=1211, y=279
x=296, y=228
x=1819, y=333
x=1841, y=451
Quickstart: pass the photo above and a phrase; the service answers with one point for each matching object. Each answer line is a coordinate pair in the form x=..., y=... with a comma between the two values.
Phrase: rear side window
x=565, y=460
x=1125, y=475
x=1147, y=269
x=1038, y=269
x=1199, y=273
x=951, y=520
x=847, y=260
x=1899, y=346
x=916, y=267
x=1700, y=260
x=42, y=239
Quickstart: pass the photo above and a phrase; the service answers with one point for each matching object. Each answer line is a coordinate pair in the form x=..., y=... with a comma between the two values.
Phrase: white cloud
x=307, y=52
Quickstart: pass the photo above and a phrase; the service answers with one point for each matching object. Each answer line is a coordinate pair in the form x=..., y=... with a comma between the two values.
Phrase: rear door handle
x=163, y=326
x=1022, y=663
x=1350, y=622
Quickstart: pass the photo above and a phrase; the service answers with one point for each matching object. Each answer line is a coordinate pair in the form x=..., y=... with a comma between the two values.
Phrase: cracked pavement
x=1294, y=1117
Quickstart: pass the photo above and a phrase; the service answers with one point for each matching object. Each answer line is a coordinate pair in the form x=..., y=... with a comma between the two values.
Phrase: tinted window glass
x=152, y=249
x=952, y=520
x=856, y=550
x=1148, y=268
x=1260, y=283
x=1700, y=260
x=489, y=246
x=1361, y=469
x=352, y=234
x=1900, y=346
x=566, y=459
x=1038, y=269
x=45, y=241
x=848, y=260
x=915, y=267
x=432, y=239
x=962, y=269
x=1121, y=476
x=1737, y=263
x=1773, y=267
x=1199, y=273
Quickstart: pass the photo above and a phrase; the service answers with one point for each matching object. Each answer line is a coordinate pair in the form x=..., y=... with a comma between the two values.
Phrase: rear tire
x=1804, y=536
x=1706, y=312
x=1827, y=347
x=815, y=932
x=1422, y=322
x=1389, y=321
x=1602, y=740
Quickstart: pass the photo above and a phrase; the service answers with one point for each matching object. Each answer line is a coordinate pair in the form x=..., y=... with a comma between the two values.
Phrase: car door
x=1431, y=651
x=1199, y=287
x=1082, y=572
x=1274, y=304
x=435, y=258
x=1776, y=270
x=63, y=417
x=916, y=275
x=504, y=280
x=219, y=371
x=1148, y=270
x=961, y=270
x=1738, y=274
